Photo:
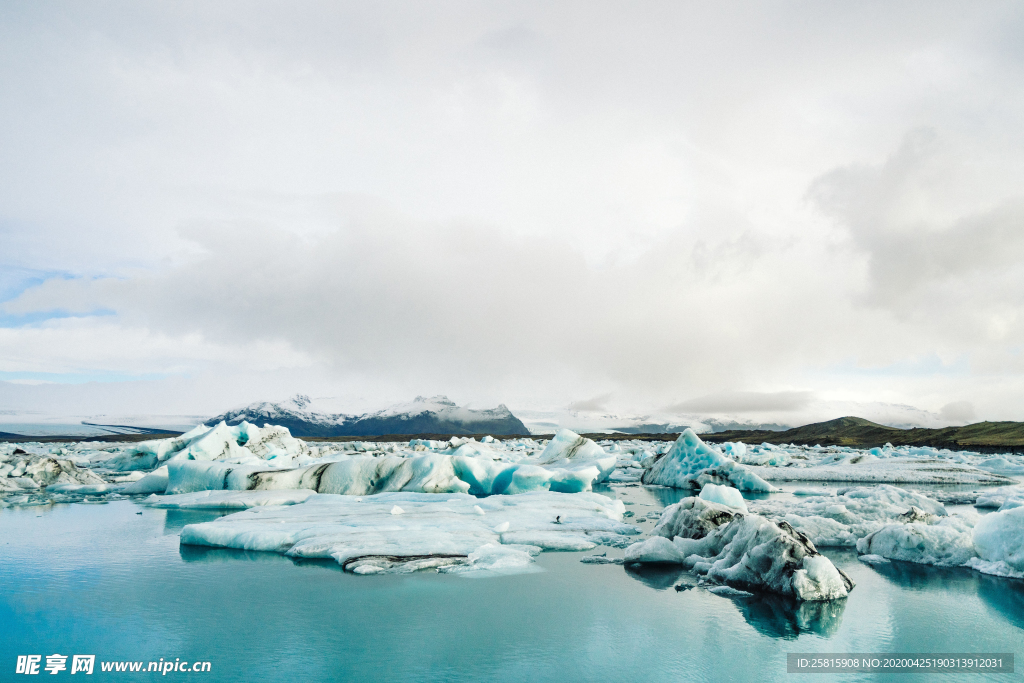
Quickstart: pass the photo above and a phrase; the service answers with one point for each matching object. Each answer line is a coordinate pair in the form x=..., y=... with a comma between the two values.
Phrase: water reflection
x=666, y=496
x=659, y=576
x=202, y=553
x=1004, y=596
x=176, y=520
x=924, y=577
x=779, y=616
x=773, y=615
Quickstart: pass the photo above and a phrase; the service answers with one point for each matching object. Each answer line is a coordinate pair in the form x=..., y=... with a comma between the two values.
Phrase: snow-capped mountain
x=435, y=415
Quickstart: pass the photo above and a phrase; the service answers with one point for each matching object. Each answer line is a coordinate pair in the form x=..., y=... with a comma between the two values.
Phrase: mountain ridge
x=857, y=432
x=436, y=414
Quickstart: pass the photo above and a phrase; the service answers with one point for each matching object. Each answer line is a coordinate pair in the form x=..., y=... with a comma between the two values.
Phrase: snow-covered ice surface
x=452, y=532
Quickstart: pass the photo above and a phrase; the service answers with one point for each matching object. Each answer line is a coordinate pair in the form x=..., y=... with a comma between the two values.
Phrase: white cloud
x=522, y=202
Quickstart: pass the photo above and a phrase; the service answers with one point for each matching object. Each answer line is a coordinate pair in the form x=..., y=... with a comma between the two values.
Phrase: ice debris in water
x=433, y=532
x=744, y=551
x=691, y=463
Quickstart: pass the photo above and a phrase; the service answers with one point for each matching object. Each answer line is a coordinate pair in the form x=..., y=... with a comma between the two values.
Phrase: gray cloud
x=592, y=404
x=746, y=402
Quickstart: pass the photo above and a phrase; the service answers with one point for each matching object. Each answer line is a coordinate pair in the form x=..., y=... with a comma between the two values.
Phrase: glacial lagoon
x=102, y=579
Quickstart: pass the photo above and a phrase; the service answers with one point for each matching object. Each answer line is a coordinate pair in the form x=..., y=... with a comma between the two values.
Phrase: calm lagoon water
x=104, y=580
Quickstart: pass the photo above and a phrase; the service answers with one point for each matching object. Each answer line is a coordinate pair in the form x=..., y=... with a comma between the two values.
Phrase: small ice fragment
x=501, y=528
x=872, y=559
x=359, y=500
x=397, y=511
x=479, y=510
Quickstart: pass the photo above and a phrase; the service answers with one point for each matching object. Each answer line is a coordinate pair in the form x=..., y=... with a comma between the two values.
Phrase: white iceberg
x=240, y=443
x=852, y=514
x=999, y=541
x=946, y=543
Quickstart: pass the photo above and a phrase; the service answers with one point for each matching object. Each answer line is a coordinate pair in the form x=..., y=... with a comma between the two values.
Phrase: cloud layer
x=674, y=205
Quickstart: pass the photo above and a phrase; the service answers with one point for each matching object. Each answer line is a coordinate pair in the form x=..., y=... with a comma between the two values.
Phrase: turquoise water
x=103, y=580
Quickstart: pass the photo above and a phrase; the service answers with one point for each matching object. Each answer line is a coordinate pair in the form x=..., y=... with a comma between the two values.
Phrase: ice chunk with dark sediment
x=744, y=551
x=432, y=531
x=571, y=452
x=691, y=463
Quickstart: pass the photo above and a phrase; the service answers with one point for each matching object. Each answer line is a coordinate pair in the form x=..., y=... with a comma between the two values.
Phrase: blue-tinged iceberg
x=691, y=463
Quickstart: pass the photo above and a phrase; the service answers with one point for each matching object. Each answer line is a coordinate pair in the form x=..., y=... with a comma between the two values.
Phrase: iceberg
x=691, y=463
x=851, y=514
x=999, y=540
x=946, y=543
x=1005, y=496
x=242, y=443
x=744, y=551
x=364, y=536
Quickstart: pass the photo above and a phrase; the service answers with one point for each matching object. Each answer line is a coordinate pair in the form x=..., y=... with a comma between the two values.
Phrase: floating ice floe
x=992, y=544
x=946, y=542
x=691, y=463
x=744, y=551
x=870, y=469
x=440, y=532
x=852, y=514
x=1005, y=497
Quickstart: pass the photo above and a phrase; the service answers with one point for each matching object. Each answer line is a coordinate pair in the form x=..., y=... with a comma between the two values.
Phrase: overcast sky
x=750, y=208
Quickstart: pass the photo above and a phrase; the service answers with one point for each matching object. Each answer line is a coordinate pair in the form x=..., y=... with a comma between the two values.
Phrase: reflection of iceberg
x=197, y=553
x=779, y=616
x=659, y=576
x=1004, y=597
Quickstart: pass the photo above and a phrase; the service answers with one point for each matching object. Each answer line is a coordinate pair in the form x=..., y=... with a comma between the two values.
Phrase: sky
x=773, y=210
